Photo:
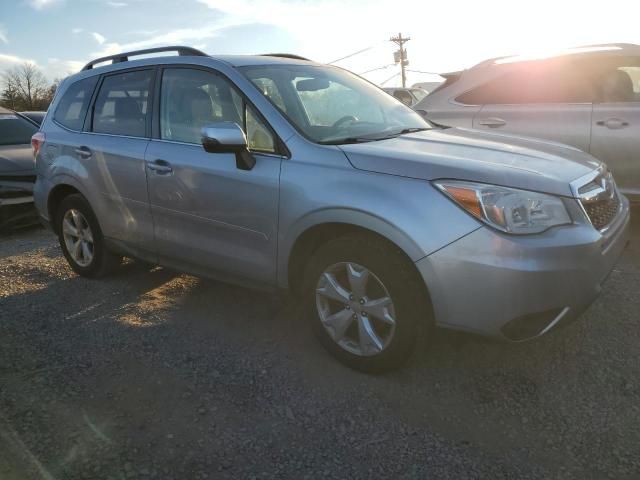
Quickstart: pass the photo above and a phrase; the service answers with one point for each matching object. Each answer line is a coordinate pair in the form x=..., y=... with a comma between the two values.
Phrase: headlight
x=510, y=210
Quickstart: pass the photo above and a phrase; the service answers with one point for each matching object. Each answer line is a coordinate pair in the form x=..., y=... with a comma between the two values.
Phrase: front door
x=552, y=102
x=210, y=217
x=615, y=135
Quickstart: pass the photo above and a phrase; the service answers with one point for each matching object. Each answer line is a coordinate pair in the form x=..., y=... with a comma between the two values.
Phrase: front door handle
x=492, y=122
x=83, y=152
x=612, y=123
x=161, y=167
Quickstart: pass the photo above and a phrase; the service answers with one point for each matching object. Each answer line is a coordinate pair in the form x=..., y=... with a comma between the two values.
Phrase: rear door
x=549, y=101
x=113, y=153
x=616, y=124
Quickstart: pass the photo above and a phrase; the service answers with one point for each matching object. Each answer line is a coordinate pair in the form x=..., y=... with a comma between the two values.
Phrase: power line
x=420, y=71
x=379, y=68
x=390, y=78
x=352, y=54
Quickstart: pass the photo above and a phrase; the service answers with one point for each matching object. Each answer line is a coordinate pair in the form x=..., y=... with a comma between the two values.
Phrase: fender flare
x=347, y=216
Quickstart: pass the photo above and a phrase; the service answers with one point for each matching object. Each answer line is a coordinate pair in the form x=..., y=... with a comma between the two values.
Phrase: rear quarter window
x=72, y=109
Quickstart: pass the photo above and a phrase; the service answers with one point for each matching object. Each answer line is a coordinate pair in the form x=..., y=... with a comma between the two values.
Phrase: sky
x=446, y=35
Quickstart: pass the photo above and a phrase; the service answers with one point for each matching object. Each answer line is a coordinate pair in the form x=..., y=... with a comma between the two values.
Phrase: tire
x=390, y=274
x=75, y=211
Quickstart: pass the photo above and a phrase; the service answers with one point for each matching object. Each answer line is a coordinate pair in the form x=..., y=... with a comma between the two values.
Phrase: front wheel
x=366, y=302
x=81, y=239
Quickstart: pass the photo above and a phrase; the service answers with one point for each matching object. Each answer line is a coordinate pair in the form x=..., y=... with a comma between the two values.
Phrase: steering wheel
x=346, y=118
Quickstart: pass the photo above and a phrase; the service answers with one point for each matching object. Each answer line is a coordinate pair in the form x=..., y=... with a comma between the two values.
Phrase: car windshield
x=332, y=106
x=15, y=130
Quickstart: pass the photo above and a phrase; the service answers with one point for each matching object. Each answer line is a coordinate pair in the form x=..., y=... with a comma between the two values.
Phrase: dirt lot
x=152, y=374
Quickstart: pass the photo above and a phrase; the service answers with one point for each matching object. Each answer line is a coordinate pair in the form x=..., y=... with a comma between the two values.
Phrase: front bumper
x=520, y=287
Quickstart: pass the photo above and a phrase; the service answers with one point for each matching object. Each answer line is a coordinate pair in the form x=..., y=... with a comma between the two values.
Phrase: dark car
x=36, y=117
x=17, y=169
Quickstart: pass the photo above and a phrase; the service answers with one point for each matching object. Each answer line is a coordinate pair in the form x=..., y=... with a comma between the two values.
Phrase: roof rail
x=491, y=61
x=582, y=49
x=124, y=57
x=285, y=55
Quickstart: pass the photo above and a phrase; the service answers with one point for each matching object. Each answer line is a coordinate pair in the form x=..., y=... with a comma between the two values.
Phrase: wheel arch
x=311, y=233
x=65, y=187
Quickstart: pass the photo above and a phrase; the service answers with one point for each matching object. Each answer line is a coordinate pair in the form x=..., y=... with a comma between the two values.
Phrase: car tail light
x=37, y=140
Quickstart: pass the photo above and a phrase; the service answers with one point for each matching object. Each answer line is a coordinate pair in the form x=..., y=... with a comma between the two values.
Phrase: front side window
x=191, y=99
x=269, y=89
x=122, y=104
x=533, y=84
x=330, y=105
x=619, y=84
x=15, y=130
x=72, y=109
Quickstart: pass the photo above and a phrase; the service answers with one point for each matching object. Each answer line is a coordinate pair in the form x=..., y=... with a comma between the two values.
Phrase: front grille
x=602, y=212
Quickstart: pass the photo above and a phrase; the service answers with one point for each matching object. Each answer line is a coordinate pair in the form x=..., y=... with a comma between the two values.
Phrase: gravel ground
x=153, y=374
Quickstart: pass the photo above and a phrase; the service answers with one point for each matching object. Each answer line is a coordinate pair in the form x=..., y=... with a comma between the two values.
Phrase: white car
x=588, y=97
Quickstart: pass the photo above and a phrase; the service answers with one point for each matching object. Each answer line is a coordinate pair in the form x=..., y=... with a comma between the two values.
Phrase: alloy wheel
x=355, y=308
x=78, y=237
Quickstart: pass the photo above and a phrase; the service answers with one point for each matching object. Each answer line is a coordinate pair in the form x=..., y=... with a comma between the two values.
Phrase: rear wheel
x=81, y=239
x=365, y=302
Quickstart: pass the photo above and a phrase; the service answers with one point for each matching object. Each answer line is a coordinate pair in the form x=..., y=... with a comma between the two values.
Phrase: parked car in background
x=408, y=96
x=285, y=174
x=588, y=97
x=17, y=169
x=36, y=117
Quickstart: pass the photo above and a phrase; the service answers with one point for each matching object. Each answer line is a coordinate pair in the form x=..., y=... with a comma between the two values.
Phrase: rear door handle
x=83, y=152
x=492, y=122
x=161, y=167
x=612, y=123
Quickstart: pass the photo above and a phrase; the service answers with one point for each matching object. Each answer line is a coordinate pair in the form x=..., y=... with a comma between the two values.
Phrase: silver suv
x=277, y=172
x=588, y=97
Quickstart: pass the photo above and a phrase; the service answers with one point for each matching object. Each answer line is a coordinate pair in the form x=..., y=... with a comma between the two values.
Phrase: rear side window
x=121, y=106
x=73, y=106
x=15, y=130
x=532, y=84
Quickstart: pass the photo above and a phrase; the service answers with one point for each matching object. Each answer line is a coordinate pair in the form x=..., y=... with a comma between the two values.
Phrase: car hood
x=474, y=155
x=16, y=160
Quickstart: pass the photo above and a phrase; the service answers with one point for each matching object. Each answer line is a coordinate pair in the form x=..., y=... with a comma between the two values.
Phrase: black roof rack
x=285, y=55
x=124, y=57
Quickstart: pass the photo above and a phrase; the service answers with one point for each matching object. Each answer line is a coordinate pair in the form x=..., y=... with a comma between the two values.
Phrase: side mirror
x=228, y=137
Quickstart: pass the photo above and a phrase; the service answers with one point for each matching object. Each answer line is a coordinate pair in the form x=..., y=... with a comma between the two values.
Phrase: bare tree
x=25, y=88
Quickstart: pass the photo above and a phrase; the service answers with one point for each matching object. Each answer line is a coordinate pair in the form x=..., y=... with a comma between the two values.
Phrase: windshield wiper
x=412, y=130
x=373, y=137
x=348, y=140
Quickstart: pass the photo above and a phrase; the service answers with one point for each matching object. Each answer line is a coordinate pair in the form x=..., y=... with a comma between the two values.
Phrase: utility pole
x=401, y=55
